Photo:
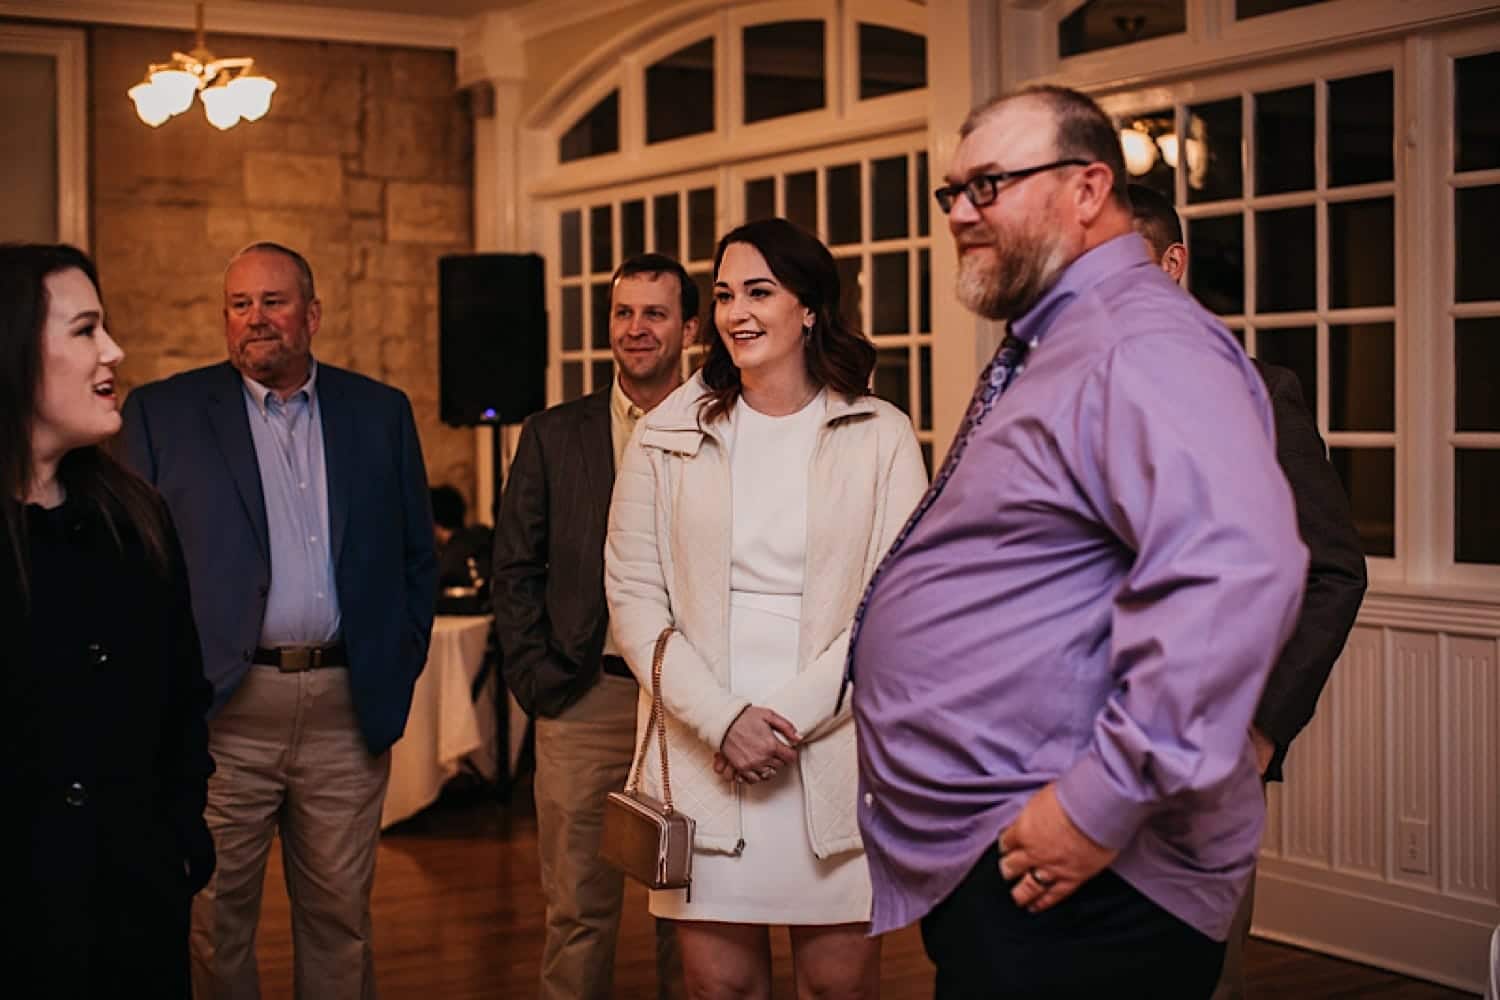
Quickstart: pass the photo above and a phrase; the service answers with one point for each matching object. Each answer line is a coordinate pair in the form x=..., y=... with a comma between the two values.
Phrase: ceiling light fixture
x=230, y=89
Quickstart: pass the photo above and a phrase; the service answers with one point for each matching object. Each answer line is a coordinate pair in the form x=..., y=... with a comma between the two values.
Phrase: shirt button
x=98, y=655
x=312, y=538
x=869, y=799
x=247, y=655
x=76, y=795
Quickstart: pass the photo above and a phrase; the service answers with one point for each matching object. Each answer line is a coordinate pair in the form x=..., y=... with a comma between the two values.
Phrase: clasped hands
x=757, y=746
x=1046, y=855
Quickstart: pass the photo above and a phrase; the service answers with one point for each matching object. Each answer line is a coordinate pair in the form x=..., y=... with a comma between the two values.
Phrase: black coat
x=104, y=763
x=548, y=586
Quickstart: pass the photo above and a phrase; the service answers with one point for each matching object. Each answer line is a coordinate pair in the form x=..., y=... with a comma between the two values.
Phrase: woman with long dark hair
x=749, y=512
x=104, y=761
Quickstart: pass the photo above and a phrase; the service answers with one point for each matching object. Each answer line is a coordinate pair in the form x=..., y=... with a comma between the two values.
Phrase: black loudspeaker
x=492, y=349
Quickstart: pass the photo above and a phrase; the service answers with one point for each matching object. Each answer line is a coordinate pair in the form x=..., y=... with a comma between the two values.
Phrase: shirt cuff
x=1096, y=805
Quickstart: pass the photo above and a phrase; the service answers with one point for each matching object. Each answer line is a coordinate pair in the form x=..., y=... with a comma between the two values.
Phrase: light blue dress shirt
x=303, y=605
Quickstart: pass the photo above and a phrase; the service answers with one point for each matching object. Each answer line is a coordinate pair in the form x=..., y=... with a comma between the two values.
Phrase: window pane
x=1150, y=146
x=1476, y=528
x=572, y=380
x=632, y=228
x=760, y=198
x=599, y=315
x=1369, y=477
x=843, y=204
x=680, y=93
x=1286, y=267
x=1294, y=348
x=705, y=284
x=601, y=239
x=596, y=133
x=924, y=386
x=1216, y=263
x=888, y=198
x=802, y=199
x=924, y=196
x=783, y=69
x=1476, y=360
x=1255, y=8
x=1104, y=24
x=891, y=294
x=1476, y=223
x=571, y=233
x=665, y=221
x=1476, y=82
x=1284, y=130
x=849, y=289
x=702, y=225
x=1361, y=116
x=893, y=376
x=924, y=291
x=1362, y=377
x=1361, y=253
x=890, y=61
x=1213, y=151
x=572, y=318
x=603, y=371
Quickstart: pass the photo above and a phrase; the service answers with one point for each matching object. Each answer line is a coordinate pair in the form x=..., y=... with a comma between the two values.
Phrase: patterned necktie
x=997, y=376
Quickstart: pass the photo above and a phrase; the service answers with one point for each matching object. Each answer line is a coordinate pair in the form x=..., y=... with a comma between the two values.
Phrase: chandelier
x=230, y=89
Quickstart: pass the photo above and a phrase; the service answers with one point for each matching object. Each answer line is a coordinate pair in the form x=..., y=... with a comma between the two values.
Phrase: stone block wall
x=364, y=164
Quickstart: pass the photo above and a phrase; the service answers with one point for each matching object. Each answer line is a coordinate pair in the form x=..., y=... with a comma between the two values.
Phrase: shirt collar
x=1110, y=257
x=620, y=406
x=260, y=393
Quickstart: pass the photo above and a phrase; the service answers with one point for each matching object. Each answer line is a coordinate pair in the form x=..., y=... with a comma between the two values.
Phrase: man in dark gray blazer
x=301, y=498
x=1335, y=570
x=553, y=626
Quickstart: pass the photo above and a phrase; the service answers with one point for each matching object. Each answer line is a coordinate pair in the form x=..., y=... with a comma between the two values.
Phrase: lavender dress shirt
x=1095, y=599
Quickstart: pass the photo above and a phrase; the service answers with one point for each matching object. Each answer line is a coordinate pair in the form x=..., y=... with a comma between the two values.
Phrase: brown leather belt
x=291, y=659
x=616, y=666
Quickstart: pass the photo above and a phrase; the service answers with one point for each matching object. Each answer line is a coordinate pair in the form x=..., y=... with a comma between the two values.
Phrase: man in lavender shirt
x=1056, y=666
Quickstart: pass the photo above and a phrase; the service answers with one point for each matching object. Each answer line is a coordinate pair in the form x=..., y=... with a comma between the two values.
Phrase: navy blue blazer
x=189, y=436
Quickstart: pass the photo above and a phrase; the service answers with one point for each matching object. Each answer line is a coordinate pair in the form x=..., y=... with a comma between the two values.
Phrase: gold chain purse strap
x=657, y=721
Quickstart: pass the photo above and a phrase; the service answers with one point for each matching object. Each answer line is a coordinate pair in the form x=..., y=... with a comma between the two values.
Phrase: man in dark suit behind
x=1335, y=569
x=301, y=498
x=553, y=627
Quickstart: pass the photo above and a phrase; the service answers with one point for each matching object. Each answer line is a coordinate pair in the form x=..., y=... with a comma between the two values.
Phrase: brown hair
x=1083, y=130
x=89, y=474
x=837, y=356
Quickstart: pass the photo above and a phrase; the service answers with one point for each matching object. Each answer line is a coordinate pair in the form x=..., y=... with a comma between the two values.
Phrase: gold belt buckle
x=297, y=658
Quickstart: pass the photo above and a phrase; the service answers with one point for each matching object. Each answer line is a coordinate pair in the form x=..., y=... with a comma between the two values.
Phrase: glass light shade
x=220, y=107
x=252, y=95
x=1168, y=144
x=1139, y=150
x=176, y=87
x=149, y=106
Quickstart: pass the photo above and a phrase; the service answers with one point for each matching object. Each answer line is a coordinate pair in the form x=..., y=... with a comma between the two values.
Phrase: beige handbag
x=649, y=840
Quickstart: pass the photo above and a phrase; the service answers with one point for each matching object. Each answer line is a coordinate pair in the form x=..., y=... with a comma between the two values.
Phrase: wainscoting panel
x=1384, y=843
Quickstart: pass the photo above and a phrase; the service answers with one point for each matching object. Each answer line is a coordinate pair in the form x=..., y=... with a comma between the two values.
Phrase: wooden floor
x=458, y=914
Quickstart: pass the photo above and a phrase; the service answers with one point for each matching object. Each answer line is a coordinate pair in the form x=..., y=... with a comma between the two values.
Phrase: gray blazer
x=548, y=569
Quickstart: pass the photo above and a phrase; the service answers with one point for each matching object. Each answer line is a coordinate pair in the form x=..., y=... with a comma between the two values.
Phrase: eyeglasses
x=981, y=189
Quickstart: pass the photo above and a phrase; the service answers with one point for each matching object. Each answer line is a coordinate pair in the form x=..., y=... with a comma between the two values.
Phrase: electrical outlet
x=1414, y=854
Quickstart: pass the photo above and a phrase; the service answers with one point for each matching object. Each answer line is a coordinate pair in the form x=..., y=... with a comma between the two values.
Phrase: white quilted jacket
x=667, y=562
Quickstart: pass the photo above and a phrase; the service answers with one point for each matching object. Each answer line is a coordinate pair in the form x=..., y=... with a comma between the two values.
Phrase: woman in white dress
x=750, y=509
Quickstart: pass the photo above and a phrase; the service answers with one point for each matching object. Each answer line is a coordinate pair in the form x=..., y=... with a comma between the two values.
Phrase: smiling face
x=646, y=329
x=269, y=322
x=75, y=403
x=760, y=320
x=1013, y=249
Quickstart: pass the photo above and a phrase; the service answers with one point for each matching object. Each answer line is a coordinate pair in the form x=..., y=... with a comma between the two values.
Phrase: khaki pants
x=290, y=758
x=581, y=757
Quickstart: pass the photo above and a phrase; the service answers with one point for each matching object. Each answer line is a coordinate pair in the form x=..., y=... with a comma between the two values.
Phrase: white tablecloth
x=447, y=726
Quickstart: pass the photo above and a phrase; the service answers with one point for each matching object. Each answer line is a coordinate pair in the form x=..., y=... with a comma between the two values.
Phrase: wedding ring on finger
x=1045, y=881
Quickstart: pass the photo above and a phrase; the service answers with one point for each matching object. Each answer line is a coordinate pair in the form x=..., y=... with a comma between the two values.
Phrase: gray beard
x=994, y=294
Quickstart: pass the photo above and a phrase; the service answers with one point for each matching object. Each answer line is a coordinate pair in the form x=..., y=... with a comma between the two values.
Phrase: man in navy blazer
x=301, y=498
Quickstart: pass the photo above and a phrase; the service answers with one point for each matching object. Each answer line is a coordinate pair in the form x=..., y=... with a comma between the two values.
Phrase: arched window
x=596, y=133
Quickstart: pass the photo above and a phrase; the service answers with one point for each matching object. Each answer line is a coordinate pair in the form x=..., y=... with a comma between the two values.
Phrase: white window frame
x=66, y=47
